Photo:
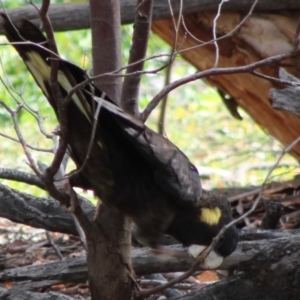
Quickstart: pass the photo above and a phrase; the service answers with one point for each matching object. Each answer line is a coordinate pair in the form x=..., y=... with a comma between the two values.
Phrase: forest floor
x=22, y=245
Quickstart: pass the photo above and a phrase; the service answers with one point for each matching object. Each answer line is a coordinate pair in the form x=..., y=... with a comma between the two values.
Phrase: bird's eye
x=193, y=168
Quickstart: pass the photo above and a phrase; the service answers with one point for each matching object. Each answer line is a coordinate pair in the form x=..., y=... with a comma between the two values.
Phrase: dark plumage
x=130, y=167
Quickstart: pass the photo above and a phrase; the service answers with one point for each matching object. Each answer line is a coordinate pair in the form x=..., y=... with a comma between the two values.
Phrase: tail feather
x=33, y=48
x=173, y=171
x=22, y=32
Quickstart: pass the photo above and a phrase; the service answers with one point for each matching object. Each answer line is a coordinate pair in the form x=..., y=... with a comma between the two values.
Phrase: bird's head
x=197, y=225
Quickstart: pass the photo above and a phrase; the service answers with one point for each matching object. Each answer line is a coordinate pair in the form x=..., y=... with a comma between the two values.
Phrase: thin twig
x=92, y=138
x=163, y=109
x=190, y=33
x=48, y=176
x=176, y=25
x=230, y=33
x=155, y=282
x=212, y=72
x=215, y=32
x=207, y=250
x=35, y=114
x=55, y=248
x=276, y=80
x=13, y=114
x=27, y=145
x=284, y=152
x=118, y=73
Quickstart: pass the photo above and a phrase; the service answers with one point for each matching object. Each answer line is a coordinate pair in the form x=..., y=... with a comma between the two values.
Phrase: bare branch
x=36, y=114
x=160, y=279
x=106, y=51
x=20, y=176
x=51, y=171
x=215, y=71
x=248, y=253
x=55, y=248
x=109, y=229
x=142, y=25
x=176, y=24
x=13, y=114
x=208, y=249
x=73, y=16
x=92, y=138
x=163, y=109
x=39, y=212
x=287, y=98
x=214, y=40
x=293, y=83
x=25, y=295
x=27, y=145
x=215, y=32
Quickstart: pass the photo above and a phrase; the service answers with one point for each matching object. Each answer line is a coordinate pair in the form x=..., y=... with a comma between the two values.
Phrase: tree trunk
x=109, y=260
x=260, y=36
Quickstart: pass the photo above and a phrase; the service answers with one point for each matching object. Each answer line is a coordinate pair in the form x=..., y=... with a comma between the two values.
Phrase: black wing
x=172, y=170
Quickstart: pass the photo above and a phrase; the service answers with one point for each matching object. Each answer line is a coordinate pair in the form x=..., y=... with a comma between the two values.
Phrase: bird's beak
x=212, y=261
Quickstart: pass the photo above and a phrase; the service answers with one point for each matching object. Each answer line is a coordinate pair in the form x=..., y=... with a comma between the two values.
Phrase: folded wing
x=172, y=170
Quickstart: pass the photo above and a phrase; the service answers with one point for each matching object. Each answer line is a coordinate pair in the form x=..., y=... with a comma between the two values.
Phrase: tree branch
x=278, y=258
x=213, y=72
x=20, y=176
x=14, y=205
x=287, y=98
x=71, y=16
x=25, y=295
x=39, y=212
x=261, y=277
x=106, y=45
x=131, y=85
x=109, y=239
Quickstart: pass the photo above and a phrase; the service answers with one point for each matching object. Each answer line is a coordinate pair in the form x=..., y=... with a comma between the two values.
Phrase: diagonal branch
x=213, y=72
x=142, y=26
x=15, y=175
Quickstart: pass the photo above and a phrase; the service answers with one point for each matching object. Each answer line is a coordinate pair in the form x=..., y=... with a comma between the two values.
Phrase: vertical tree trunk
x=106, y=44
x=109, y=260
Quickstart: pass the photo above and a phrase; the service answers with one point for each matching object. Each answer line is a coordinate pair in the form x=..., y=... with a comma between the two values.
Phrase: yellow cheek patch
x=210, y=216
x=41, y=72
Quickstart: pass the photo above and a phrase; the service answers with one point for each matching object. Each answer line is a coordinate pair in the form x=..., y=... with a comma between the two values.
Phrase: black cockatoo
x=130, y=167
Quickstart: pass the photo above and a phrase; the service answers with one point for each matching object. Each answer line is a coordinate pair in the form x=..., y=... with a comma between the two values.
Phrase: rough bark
x=29, y=210
x=106, y=45
x=260, y=36
x=73, y=16
x=272, y=215
x=265, y=269
x=39, y=212
x=109, y=237
x=247, y=256
x=20, y=176
x=272, y=279
x=259, y=252
x=287, y=98
x=131, y=84
x=8, y=294
x=264, y=277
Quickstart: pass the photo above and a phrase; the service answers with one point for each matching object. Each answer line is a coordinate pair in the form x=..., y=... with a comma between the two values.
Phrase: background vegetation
x=226, y=151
